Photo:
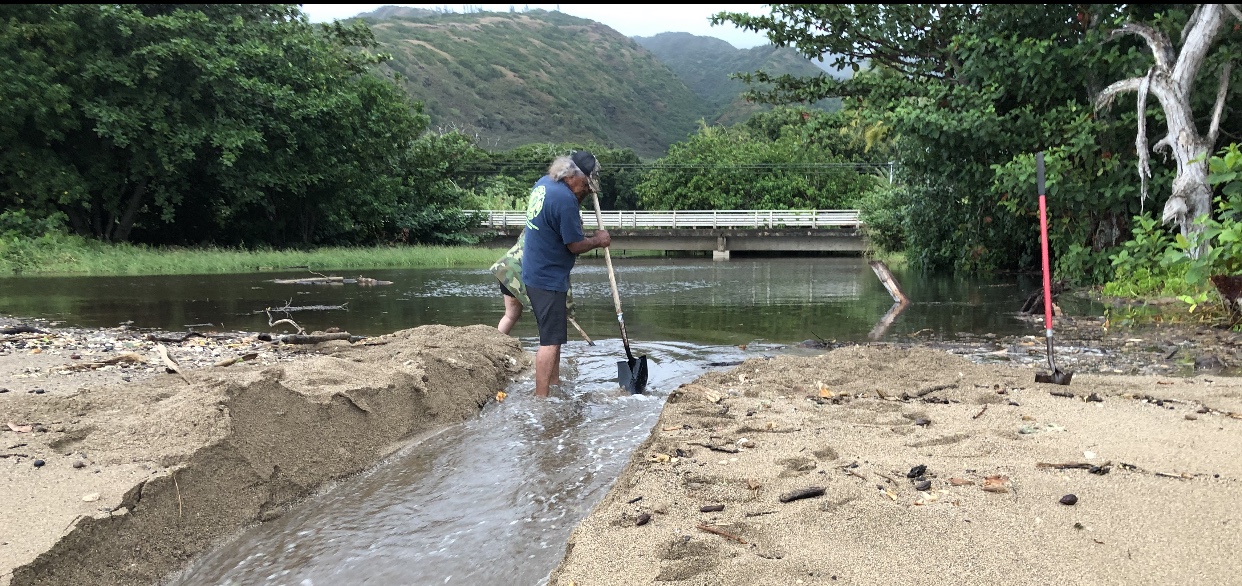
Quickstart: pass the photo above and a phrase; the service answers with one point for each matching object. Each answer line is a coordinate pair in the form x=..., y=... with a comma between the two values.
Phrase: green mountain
x=515, y=78
x=705, y=64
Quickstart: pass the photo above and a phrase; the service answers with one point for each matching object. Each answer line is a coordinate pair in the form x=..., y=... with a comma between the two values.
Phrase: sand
x=1163, y=506
x=121, y=474
x=143, y=470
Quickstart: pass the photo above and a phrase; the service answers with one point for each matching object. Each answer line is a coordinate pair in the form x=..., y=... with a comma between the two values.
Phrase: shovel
x=1058, y=376
x=631, y=372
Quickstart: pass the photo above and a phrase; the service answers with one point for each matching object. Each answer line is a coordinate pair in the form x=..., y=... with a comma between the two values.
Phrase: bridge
x=718, y=231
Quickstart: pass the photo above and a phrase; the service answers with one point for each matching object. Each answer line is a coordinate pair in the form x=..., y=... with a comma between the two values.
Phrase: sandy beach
x=920, y=466
x=864, y=464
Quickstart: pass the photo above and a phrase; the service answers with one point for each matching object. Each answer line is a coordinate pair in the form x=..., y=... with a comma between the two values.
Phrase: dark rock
x=917, y=471
x=1069, y=499
x=924, y=485
x=39, y=463
x=1094, y=398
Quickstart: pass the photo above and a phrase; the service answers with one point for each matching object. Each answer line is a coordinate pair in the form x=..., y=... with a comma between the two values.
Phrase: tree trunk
x=120, y=232
x=1171, y=80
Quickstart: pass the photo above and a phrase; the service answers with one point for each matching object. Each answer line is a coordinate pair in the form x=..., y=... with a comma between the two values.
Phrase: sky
x=631, y=20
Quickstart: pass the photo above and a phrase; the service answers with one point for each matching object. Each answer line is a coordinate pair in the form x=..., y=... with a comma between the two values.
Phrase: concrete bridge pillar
x=722, y=249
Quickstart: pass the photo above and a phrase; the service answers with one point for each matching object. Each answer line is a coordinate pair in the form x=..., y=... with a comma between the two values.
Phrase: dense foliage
x=224, y=123
x=970, y=93
x=784, y=159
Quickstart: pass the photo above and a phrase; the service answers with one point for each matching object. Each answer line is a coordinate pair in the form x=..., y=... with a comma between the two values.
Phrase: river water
x=493, y=500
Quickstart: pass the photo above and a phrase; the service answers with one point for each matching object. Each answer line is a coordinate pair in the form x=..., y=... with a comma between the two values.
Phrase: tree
x=222, y=123
x=783, y=159
x=970, y=93
x=1172, y=78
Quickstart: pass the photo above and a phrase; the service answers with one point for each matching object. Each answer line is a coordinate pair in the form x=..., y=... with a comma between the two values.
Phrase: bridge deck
x=717, y=231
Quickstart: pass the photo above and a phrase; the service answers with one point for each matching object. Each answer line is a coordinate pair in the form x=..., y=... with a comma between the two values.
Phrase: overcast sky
x=631, y=20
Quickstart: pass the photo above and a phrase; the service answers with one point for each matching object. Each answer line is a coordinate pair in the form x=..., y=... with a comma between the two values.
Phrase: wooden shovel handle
x=612, y=278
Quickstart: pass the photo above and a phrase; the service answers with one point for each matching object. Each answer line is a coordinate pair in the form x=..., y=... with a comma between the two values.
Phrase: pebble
x=924, y=485
x=79, y=464
x=1069, y=499
x=39, y=463
x=90, y=498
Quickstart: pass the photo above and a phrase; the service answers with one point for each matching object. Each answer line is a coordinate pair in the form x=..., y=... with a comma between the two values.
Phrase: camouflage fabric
x=509, y=271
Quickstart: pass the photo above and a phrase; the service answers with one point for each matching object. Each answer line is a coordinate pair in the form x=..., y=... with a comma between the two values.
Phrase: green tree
x=203, y=123
x=970, y=92
x=778, y=160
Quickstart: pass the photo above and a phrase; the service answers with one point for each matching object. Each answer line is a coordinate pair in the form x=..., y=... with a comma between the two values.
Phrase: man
x=553, y=241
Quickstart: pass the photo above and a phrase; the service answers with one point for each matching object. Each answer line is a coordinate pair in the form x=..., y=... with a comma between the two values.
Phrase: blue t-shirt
x=553, y=221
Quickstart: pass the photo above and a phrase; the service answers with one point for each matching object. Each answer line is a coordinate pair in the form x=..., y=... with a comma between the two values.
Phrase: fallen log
x=313, y=338
x=310, y=281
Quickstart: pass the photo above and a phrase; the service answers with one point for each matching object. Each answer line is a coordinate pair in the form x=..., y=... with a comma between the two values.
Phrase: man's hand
x=601, y=239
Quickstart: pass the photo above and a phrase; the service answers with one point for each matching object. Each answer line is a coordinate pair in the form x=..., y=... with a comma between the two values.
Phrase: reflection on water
x=488, y=501
x=692, y=300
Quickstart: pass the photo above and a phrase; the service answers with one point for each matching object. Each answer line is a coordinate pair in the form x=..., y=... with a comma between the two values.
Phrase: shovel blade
x=632, y=374
x=1056, y=377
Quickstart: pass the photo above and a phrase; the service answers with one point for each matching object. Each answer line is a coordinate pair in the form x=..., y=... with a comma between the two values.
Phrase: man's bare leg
x=547, y=369
x=513, y=312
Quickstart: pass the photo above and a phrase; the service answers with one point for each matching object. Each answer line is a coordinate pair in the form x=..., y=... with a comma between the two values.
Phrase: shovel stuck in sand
x=1057, y=376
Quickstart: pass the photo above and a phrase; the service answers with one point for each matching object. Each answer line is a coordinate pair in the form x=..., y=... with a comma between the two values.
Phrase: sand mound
x=137, y=478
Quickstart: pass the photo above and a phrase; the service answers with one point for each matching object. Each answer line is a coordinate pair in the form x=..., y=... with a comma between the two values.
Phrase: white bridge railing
x=691, y=219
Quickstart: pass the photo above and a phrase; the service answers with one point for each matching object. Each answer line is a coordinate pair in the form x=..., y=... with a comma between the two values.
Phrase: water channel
x=494, y=499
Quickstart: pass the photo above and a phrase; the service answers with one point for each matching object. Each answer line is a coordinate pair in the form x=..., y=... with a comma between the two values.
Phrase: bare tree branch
x=1110, y=93
x=1140, y=140
x=1194, y=19
x=1221, y=92
x=1198, y=43
x=1233, y=8
x=1160, y=46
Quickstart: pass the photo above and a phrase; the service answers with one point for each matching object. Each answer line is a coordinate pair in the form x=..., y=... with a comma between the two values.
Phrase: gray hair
x=563, y=167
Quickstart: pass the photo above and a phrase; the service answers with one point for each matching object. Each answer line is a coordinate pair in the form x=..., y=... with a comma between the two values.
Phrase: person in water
x=552, y=241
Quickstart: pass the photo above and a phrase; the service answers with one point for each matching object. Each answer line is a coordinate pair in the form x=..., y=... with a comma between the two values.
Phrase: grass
x=73, y=256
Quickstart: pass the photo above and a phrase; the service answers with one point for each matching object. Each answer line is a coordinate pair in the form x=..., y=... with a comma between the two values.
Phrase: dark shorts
x=505, y=290
x=549, y=309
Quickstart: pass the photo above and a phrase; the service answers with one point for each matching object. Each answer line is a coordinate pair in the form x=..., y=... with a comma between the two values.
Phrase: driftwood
x=174, y=339
x=805, y=493
x=361, y=281
x=1034, y=303
x=311, y=281
x=168, y=361
x=890, y=283
x=313, y=338
x=21, y=329
x=720, y=532
x=288, y=308
x=927, y=391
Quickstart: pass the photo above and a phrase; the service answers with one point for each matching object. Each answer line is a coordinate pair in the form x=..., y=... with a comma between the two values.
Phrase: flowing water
x=492, y=500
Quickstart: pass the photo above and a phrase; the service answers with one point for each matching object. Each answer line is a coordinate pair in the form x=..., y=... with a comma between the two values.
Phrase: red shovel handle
x=1043, y=242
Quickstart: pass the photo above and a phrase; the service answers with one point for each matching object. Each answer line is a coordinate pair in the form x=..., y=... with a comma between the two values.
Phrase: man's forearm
x=588, y=243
